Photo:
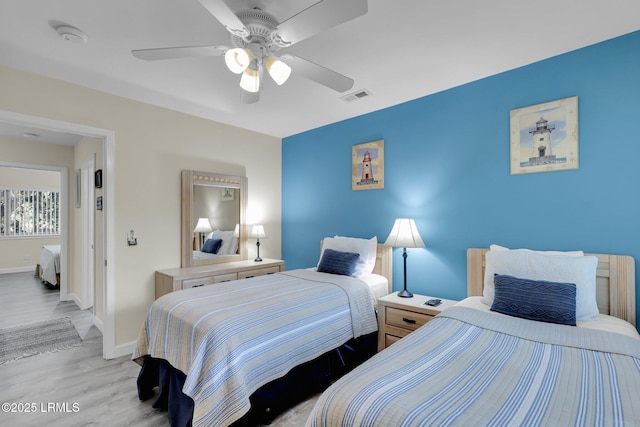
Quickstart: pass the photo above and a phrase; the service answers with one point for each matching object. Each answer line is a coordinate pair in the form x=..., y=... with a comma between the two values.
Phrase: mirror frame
x=191, y=178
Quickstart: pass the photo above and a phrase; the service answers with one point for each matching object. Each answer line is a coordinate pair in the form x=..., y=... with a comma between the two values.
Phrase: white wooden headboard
x=615, y=282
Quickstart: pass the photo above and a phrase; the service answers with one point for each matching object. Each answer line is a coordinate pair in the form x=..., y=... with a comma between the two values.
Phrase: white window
x=28, y=212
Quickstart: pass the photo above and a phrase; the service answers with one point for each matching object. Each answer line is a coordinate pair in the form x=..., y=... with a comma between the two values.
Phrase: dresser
x=398, y=317
x=175, y=279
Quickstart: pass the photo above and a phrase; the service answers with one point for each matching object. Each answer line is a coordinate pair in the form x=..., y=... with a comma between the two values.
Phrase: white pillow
x=233, y=247
x=355, y=245
x=571, y=253
x=227, y=240
x=488, y=279
x=526, y=264
x=373, y=250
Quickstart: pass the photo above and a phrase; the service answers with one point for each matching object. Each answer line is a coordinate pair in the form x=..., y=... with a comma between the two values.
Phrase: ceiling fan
x=256, y=36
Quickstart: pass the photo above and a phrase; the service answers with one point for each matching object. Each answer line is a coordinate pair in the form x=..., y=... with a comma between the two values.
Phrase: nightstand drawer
x=398, y=317
x=406, y=319
x=390, y=339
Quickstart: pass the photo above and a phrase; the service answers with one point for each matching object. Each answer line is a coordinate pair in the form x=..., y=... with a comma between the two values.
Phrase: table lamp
x=404, y=234
x=257, y=232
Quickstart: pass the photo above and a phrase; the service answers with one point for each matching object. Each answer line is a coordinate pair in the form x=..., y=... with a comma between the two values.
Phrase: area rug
x=48, y=336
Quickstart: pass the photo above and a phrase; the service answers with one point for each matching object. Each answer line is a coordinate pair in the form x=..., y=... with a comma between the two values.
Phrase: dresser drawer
x=194, y=283
x=258, y=272
x=406, y=319
x=225, y=277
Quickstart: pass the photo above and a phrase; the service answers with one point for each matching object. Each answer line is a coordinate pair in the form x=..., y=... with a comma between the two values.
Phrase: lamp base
x=405, y=294
x=258, y=259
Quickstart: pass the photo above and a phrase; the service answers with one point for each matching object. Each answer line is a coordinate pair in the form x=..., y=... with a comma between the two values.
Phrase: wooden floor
x=76, y=387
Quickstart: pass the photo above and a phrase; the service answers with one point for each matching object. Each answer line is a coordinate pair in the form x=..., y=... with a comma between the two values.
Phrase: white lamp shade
x=278, y=70
x=257, y=232
x=203, y=226
x=238, y=59
x=250, y=80
x=404, y=234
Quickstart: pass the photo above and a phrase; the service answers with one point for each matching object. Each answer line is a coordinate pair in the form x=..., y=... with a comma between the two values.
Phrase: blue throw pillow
x=336, y=262
x=539, y=300
x=212, y=246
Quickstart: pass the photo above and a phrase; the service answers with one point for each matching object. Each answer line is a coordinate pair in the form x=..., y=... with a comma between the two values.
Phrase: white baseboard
x=18, y=270
x=74, y=298
x=98, y=324
x=125, y=349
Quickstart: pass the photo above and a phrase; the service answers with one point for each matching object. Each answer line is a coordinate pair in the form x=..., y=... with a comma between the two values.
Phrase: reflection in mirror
x=213, y=212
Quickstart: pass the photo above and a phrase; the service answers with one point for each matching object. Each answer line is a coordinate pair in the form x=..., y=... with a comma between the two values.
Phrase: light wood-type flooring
x=76, y=387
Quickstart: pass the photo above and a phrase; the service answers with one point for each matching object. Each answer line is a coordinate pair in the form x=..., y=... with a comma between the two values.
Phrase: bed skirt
x=268, y=401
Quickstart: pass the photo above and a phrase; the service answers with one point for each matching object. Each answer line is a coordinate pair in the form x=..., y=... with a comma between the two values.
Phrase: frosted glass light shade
x=250, y=80
x=404, y=234
x=278, y=70
x=238, y=59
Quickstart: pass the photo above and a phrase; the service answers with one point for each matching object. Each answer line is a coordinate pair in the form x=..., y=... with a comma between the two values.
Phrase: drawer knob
x=409, y=321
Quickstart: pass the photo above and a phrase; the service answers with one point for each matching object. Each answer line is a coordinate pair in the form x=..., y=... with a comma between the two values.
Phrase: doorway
x=108, y=224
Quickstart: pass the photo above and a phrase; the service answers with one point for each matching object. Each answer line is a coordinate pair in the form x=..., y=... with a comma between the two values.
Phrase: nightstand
x=398, y=317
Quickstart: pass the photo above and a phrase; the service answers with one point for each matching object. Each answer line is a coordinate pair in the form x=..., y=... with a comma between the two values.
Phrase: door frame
x=109, y=350
x=88, y=272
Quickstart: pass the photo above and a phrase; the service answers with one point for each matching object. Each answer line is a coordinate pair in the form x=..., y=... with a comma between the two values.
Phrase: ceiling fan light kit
x=278, y=70
x=238, y=59
x=257, y=35
x=250, y=80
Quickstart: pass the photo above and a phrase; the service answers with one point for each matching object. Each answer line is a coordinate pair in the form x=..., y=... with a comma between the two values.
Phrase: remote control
x=433, y=302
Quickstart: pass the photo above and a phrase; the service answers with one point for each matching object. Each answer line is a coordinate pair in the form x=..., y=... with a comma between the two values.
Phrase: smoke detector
x=72, y=34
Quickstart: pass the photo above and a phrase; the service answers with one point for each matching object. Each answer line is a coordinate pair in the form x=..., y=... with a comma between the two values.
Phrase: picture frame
x=544, y=137
x=367, y=166
x=77, y=186
x=228, y=194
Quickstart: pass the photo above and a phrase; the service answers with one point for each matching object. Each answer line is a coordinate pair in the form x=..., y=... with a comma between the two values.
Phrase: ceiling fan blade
x=222, y=13
x=178, y=52
x=318, y=73
x=249, y=97
x=317, y=18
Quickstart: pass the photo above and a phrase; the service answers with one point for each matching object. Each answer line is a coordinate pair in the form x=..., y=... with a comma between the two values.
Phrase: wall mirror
x=213, y=207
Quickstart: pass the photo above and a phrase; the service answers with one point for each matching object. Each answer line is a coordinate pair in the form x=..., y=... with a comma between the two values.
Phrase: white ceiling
x=399, y=50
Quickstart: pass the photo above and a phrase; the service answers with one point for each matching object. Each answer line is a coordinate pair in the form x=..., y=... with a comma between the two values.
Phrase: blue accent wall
x=447, y=166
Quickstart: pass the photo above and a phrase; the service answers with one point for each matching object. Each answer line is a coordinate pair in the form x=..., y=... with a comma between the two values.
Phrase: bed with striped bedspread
x=471, y=368
x=233, y=337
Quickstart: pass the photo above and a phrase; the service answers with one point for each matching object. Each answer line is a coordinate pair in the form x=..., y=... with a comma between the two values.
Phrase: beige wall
x=152, y=146
x=23, y=253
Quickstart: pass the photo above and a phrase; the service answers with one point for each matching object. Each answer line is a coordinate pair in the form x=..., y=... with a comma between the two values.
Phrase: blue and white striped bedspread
x=470, y=368
x=233, y=337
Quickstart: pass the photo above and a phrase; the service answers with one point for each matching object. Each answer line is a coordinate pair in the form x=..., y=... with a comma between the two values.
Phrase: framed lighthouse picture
x=544, y=137
x=367, y=166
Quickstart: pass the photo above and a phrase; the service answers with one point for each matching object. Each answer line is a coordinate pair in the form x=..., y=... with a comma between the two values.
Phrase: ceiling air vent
x=354, y=96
